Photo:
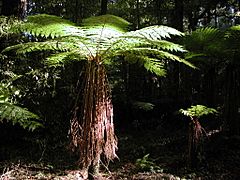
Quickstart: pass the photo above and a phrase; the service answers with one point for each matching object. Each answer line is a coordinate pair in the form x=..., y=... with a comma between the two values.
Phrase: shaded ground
x=143, y=155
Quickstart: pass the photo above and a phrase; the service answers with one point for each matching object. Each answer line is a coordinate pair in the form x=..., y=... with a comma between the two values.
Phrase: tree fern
x=105, y=35
x=44, y=25
x=97, y=42
x=204, y=40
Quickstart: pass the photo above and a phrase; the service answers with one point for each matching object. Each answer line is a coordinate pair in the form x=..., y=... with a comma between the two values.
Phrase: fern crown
x=104, y=36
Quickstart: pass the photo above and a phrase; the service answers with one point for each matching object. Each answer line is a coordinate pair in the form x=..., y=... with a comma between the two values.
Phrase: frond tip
x=19, y=115
x=45, y=25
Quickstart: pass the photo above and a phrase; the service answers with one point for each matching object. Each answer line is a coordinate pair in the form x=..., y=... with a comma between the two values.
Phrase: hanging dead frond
x=92, y=128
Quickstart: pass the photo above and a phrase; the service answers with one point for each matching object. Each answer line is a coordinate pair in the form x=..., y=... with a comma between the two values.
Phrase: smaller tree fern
x=196, y=131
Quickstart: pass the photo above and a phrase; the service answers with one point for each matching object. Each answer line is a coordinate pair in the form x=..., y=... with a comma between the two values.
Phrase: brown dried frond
x=93, y=132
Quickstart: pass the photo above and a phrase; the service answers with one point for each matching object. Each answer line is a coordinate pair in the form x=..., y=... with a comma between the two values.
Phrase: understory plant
x=11, y=111
x=96, y=43
x=196, y=131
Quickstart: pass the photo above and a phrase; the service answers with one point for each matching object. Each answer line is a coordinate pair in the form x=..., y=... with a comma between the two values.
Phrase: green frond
x=146, y=106
x=19, y=115
x=232, y=39
x=127, y=42
x=157, y=54
x=154, y=66
x=204, y=39
x=63, y=58
x=155, y=33
x=168, y=46
x=198, y=111
x=13, y=113
x=7, y=25
x=107, y=22
x=45, y=25
x=40, y=46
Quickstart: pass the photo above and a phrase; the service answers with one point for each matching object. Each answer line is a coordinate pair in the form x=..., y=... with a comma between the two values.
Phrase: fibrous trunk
x=92, y=128
x=195, y=138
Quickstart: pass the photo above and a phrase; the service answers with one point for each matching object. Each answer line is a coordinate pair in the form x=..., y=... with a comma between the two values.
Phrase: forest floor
x=142, y=155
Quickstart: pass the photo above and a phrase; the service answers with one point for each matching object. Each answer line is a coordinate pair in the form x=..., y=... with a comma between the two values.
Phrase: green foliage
x=232, y=41
x=13, y=113
x=146, y=164
x=198, y=111
x=204, y=40
x=106, y=21
x=44, y=25
x=143, y=105
x=6, y=23
x=207, y=43
x=103, y=36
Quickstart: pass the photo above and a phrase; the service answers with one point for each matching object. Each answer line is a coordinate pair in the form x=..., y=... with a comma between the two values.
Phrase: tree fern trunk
x=93, y=131
x=195, y=138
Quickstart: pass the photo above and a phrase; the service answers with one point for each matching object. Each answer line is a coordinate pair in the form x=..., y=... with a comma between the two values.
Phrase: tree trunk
x=138, y=16
x=158, y=11
x=194, y=142
x=232, y=100
x=14, y=7
x=78, y=11
x=178, y=15
x=104, y=7
x=210, y=87
x=92, y=129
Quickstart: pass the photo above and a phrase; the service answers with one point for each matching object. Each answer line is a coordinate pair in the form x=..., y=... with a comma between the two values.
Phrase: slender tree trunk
x=232, y=100
x=104, y=4
x=14, y=7
x=138, y=15
x=78, y=15
x=194, y=142
x=22, y=9
x=210, y=87
x=178, y=15
x=158, y=11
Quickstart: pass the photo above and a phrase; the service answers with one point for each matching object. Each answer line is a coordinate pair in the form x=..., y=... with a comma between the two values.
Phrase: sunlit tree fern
x=204, y=45
x=97, y=42
x=196, y=131
x=214, y=49
x=10, y=111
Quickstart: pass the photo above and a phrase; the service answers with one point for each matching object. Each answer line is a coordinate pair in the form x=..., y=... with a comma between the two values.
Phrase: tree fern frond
x=19, y=115
x=7, y=25
x=150, y=64
x=232, y=39
x=107, y=21
x=158, y=54
x=155, y=33
x=198, y=111
x=45, y=25
x=40, y=46
x=154, y=66
x=62, y=58
x=13, y=113
x=204, y=39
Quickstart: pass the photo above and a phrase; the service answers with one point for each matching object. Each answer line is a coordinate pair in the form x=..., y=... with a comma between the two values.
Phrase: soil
x=142, y=155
